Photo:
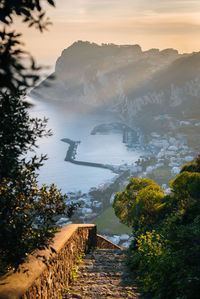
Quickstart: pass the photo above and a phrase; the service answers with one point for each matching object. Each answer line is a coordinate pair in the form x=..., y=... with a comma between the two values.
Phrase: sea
x=100, y=148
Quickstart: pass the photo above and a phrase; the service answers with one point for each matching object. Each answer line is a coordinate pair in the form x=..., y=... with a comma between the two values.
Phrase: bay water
x=107, y=148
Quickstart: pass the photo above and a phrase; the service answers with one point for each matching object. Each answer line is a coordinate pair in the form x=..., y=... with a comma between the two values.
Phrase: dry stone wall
x=103, y=243
x=47, y=272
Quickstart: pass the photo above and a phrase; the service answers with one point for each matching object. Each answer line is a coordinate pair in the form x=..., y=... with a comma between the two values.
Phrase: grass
x=161, y=175
x=163, y=171
x=107, y=222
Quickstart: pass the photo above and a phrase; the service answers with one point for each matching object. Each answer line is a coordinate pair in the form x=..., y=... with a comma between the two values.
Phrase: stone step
x=103, y=274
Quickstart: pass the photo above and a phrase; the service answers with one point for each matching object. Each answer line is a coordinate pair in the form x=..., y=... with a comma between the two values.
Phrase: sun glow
x=151, y=24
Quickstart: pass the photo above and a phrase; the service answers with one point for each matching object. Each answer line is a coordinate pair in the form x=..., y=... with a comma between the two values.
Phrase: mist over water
x=107, y=149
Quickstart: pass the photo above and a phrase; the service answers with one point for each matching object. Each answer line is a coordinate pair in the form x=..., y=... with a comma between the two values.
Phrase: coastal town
x=161, y=159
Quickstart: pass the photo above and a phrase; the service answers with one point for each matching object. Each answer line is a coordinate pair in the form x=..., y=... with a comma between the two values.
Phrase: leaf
x=31, y=24
x=51, y=2
x=25, y=12
x=41, y=15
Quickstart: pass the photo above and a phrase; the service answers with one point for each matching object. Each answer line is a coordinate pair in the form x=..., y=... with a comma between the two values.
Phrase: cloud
x=171, y=6
x=150, y=23
x=90, y=10
x=133, y=6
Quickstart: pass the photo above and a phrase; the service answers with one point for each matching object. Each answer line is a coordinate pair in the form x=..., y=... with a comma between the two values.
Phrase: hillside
x=92, y=75
x=153, y=90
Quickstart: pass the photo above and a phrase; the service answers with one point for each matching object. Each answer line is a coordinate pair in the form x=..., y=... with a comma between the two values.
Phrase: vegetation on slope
x=166, y=251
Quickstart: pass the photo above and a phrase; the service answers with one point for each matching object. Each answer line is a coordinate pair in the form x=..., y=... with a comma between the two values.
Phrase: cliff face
x=173, y=93
x=125, y=79
x=90, y=74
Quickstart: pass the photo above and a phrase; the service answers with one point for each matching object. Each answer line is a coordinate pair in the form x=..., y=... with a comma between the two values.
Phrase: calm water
x=95, y=148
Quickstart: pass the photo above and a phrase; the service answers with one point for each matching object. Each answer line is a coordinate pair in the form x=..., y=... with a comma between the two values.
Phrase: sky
x=149, y=23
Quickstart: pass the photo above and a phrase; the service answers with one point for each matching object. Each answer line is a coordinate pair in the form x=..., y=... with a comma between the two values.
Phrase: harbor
x=71, y=153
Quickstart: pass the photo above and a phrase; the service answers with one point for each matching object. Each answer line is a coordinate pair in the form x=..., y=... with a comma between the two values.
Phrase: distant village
x=162, y=157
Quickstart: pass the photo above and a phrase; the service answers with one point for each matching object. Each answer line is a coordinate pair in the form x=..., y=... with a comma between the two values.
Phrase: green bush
x=166, y=251
x=27, y=218
x=140, y=204
x=27, y=213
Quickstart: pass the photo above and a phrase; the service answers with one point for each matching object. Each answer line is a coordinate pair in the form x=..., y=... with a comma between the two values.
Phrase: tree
x=15, y=75
x=193, y=166
x=19, y=133
x=140, y=204
x=165, y=254
x=27, y=213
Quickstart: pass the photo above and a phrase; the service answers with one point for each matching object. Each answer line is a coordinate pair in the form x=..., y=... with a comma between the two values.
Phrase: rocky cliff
x=127, y=80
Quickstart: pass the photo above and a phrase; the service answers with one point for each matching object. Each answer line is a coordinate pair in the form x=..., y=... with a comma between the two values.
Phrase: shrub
x=139, y=205
x=166, y=252
x=27, y=213
x=27, y=218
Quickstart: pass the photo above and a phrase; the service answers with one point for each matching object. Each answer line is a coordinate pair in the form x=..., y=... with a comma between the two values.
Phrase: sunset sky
x=149, y=23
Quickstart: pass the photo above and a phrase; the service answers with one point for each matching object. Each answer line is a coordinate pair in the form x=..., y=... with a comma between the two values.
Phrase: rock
x=109, y=277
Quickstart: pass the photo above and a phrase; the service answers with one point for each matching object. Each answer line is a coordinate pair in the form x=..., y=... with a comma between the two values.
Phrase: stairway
x=103, y=274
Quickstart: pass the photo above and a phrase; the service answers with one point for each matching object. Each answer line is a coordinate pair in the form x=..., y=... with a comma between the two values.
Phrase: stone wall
x=103, y=243
x=47, y=271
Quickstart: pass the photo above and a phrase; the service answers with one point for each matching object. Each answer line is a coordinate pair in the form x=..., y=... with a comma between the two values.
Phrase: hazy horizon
x=155, y=24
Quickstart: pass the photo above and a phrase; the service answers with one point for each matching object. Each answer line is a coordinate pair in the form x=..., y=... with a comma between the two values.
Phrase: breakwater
x=71, y=153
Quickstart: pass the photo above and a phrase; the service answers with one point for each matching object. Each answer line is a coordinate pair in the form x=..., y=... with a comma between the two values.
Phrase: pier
x=72, y=152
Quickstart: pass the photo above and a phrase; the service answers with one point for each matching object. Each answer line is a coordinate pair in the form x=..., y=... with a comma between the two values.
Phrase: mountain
x=140, y=86
x=94, y=75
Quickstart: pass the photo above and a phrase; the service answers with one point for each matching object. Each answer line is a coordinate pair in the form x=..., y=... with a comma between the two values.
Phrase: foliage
x=193, y=166
x=15, y=72
x=153, y=261
x=30, y=10
x=14, y=75
x=186, y=184
x=140, y=203
x=27, y=213
x=73, y=273
x=18, y=135
x=166, y=254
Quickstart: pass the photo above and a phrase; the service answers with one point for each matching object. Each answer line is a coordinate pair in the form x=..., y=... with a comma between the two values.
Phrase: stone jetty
x=72, y=152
